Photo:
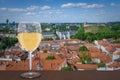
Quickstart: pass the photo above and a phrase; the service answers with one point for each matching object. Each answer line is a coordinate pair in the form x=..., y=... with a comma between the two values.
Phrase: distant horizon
x=61, y=22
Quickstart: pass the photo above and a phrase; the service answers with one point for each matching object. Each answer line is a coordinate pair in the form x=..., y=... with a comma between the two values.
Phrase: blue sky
x=60, y=10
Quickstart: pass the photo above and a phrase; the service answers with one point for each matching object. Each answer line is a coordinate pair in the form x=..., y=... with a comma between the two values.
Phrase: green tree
x=83, y=49
x=80, y=34
x=86, y=58
x=102, y=32
x=116, y=41
x=68, y=68
x=47, y=39
x=2, y=46
x=50, y=58
x=90, y=37
x=105, y=32
x=62, y=27
x=7, y=42
x=101, y=64
x=6, y=30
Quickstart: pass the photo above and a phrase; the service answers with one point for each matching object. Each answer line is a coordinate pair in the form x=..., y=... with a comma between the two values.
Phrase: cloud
x=50, y=12
x=29, y=8
x=94, y=6
x=32, y=8
x=45, y=7
x=16, y=9
x=13, y=9
x=55, y=12
x=30, y=13
x=83, y=5
x=115, y=4
x=68, y=5
x=3, y=8
x=112, y=4
x=73, y=5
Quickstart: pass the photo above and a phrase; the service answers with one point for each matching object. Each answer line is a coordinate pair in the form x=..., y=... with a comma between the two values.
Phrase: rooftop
x=86, y=66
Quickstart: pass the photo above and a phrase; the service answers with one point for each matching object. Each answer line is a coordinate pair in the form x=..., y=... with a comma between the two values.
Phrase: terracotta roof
x=110, y=48
x=57, y=56
x=116, y=45
x=93, y=55
x=53, y=64
x=86, y=66
x=18, y=66
x=115, y=65
x=103, y=42
x=66, y=55
x=75, y=60
x=42, y=55
x=45, y=55
x=67, y=40
x=2, y=67
x=101, y=56
x=74, y=41
x=88, y=45
x=22, y=65
x=72, y=48
x=94, y=49
x=105, y=58
x=63, y=49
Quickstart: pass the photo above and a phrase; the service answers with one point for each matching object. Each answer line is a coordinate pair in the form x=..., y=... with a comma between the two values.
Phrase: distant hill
x=93, y=29
x=114, y=22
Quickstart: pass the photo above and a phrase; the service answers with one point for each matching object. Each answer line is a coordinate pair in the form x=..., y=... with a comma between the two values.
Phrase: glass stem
x=30, y=61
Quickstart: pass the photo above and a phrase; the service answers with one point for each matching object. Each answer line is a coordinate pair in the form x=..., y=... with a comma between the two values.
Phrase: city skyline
x=60, y=11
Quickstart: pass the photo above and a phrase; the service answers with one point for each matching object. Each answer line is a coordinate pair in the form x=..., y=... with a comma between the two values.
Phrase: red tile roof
x=72, y=48
x=94, y=49
x=66, y=55
x=86, y=66
x=101, y=56
x=105, y=58
x=65, y=41
x=115, y=65
x=116, y=45
x=53, y=64
x=22, y=65
x=45, y=55
x=103, y=42
x=18, y=66
x=47, y=65
x=2, y=67
x=88, y=45
x=110, y=48
x=63, y=49
x=75, y=60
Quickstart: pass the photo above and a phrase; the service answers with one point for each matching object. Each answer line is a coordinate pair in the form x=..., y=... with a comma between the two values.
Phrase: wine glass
x=29, y=37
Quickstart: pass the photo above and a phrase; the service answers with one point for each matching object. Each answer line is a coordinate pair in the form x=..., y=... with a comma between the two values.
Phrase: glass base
x=30, y=75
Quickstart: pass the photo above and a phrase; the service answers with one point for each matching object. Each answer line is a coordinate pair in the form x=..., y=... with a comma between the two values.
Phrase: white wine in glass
x=29, y=37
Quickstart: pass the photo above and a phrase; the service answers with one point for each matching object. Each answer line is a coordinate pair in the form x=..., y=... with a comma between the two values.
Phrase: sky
x=60, y=11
